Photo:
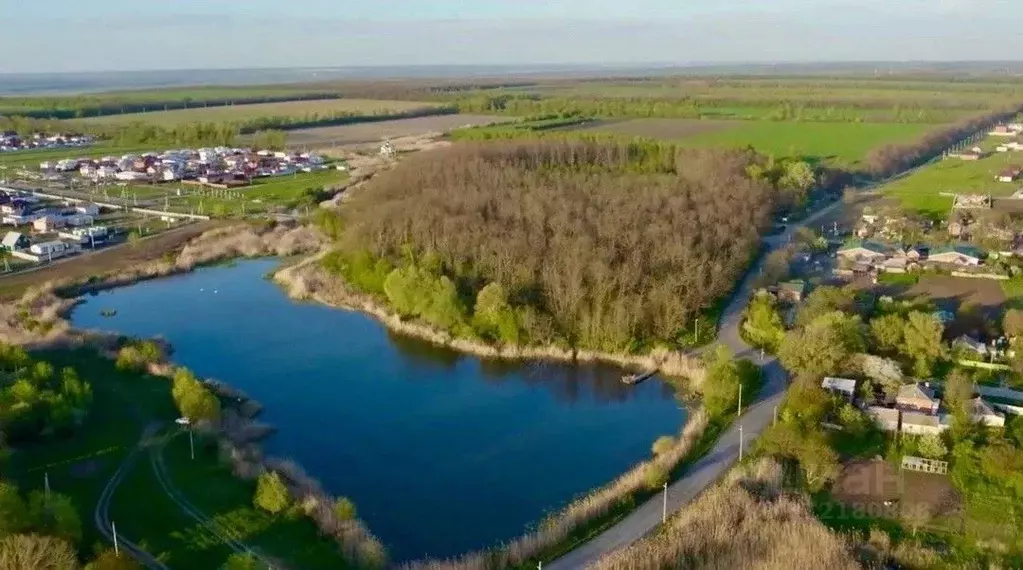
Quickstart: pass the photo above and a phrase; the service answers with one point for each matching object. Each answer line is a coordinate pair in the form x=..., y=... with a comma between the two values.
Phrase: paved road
x=725, y=453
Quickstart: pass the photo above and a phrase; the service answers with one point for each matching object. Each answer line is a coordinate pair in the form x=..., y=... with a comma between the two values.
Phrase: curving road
x=219, y=530
x=101, y=516
x=708, y=469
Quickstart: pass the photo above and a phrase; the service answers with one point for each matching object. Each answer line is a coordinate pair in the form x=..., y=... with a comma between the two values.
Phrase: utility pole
x=775, y=415
x=664, y=505
x=46, y=486
x=738, y=411
x=697, y=332
x=191, y=443
x=117, y=549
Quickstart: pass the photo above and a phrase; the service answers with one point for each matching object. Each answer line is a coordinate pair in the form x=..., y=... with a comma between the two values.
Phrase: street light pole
x=738, y=411
x=117, y=549
x=191, y=444
x=664, y=505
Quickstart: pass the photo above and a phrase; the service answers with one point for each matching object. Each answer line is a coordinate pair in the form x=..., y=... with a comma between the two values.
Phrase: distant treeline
x=852, y=110
x=614, y=247
x=891, y=159
x=96, y=106
x=206, y=133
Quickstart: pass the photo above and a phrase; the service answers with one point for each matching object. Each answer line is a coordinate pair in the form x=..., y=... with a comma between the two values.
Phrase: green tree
x=493, y=317
x=763, y=327
x=34, y=552
x=134, y=239
x=55, y=516
x=272, y=494
x=824, y=347
x=931, y=447
x=654, y=476
x=797, y=180
x=922, y=342
x=887, y=333
x=14, y=513
x=344, y=509
x=823, y=300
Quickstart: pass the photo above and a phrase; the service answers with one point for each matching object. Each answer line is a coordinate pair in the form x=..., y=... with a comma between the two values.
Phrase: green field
x=921, y=190
x=240, y=113
x=838, y=143
x=265, y=193
x=835, y=143
x=80, y=466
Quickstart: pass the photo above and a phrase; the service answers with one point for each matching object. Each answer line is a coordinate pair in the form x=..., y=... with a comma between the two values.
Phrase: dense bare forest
x=609, y=247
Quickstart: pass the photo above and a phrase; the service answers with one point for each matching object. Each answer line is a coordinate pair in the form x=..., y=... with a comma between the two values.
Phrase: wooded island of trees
x=608, y=247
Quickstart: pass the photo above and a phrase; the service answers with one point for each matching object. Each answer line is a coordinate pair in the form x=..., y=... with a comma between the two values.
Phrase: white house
x=863, y=251
x=844, y=386
x=87, y=208
x=48, y=223
x=970, y=343
x=955, y=255
x=982, y=413
x=917, y=423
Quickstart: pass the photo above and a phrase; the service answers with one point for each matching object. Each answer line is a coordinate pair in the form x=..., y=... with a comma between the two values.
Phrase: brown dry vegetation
x=746, y=522
x=610, y=246
x=374, y=133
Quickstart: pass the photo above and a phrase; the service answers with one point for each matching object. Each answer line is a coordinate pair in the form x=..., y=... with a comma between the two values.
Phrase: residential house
x=792, y=291
x=1009, y=174
x=15, y=240
x=858, y=251
x=87, y=208
x=917, y=423
x=49, y=249
x=844, y=387
x=1002, y=131
x=981, y=412
x=917, y=398
x=969, y=343
x=970, y=155
x=887, y=419
x=961, y=255
x=48, y=223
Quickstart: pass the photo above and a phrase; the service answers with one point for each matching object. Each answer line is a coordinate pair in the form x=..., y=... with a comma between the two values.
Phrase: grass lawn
x=922, y=189
x=838, y=143
x=287, y=191
x=240, y=113
x=80, y=466
x=215, y=492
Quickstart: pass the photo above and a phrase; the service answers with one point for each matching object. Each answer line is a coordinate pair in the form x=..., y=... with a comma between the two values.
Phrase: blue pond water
x=442, y=453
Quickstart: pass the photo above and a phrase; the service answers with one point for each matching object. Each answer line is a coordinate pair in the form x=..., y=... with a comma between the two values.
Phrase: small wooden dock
x=632, y=379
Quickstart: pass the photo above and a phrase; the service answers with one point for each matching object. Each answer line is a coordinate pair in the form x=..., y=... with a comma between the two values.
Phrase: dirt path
x=221, y=531
x=101, y=515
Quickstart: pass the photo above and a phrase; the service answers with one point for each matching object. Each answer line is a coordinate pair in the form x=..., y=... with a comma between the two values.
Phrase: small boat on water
x=631, y=379
x=108, y=312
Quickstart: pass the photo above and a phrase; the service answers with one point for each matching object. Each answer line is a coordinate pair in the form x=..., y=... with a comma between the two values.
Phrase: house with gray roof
x=15, y=241
x=862, y=251
x=959, y=255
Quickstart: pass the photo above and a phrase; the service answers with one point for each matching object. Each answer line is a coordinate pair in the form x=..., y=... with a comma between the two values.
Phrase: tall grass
x=746, y=521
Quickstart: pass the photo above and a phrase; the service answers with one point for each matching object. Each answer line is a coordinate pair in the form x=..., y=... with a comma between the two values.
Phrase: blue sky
x=97, y=35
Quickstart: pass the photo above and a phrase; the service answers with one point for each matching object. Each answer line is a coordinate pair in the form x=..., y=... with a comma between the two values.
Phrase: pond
x=442, y=453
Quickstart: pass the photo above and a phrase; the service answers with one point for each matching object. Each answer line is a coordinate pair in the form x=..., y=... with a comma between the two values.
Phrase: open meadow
x=241, y=113
x=836, y=143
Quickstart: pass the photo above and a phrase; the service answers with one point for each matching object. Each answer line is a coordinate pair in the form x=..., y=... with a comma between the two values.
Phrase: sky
x=116, y=35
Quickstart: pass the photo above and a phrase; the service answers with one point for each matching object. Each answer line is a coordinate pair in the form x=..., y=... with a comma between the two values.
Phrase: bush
x=655, y=476
x=271, y=493
x=110, y=560
x=931, y=447
x=344, y=509
x=663, y=445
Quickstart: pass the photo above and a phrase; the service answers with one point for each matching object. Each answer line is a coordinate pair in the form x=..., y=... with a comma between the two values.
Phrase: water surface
x=442, y=453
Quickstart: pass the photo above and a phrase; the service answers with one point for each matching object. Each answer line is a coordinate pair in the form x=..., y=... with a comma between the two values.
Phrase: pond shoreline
x=52, y=308
x=307, y=280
